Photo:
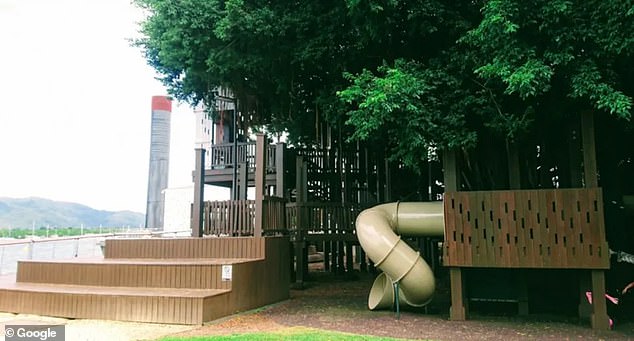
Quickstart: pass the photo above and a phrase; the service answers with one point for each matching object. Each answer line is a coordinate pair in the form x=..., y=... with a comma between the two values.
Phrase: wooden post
x=260, y=174
x=379, y=178
x=388, y=181
x=280, y=150
x=234, y=180
x=243, y=182
x=589, y=151
x=513, y=165
x=326, y=244
x=340, y=257
x=300, y=243
x=363, y=265
x=515, y=182
x=450, y=171
x=574, y=158
x=458, y=311
x=349, y=259
x=300, y=180
x=599, y=319
x=199, y=189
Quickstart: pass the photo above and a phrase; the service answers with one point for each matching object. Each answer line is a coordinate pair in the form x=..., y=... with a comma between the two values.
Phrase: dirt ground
x=340, y=304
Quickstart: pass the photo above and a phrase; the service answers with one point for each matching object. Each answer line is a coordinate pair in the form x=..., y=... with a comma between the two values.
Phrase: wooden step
x=159, y=305
x=184, y=290
x=168, y=248
x=149, y=273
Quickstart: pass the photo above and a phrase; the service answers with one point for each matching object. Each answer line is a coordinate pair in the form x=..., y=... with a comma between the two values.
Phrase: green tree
x=516, y=70
x=279, y=57
x=577, y=49
x=405, y=75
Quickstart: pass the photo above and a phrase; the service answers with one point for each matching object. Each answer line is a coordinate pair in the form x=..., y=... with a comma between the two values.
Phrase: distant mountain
x=22, y=213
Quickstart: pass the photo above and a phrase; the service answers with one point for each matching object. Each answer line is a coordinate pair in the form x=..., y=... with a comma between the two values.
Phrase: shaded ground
x=341, y=305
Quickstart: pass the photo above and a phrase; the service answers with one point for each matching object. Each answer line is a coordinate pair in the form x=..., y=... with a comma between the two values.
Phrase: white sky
x=75, y=105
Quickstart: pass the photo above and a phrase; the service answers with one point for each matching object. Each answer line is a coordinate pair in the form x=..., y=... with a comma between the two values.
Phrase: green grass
x=294, y=334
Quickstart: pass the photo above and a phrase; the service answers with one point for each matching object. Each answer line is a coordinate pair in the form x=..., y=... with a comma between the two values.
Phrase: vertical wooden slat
x=504, y=233
x=511, y=220
x=585, y=229
x=548, y=227
x=520, y=231
x=459, y=232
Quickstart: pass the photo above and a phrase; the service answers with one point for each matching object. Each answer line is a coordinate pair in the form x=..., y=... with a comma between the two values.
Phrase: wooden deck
x=184, y=289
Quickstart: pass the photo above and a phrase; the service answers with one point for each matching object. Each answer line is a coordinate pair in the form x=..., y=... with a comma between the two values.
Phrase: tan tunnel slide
x=379, y=229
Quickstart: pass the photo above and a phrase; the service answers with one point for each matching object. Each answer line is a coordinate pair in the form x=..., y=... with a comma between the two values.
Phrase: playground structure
x=550, y=229
x=555, y=229
x=504, y=229
x=307, y=195
x=516, y=229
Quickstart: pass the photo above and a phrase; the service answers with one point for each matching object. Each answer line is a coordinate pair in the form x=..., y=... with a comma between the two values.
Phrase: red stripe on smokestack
x=162, y=103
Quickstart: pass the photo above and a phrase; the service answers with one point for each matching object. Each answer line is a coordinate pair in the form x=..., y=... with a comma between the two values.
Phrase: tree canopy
x=405, y=75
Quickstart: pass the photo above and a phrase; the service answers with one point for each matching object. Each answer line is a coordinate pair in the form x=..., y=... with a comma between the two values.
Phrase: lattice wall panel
x=559, y=228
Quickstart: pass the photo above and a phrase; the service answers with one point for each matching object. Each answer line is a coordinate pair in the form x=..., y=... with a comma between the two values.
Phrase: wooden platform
x=184, y=289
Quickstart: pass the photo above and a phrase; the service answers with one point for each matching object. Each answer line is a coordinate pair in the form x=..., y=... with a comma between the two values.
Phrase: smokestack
x=159, y=161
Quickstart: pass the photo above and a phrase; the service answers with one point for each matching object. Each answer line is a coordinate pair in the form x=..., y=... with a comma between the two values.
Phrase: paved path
x=96, y=330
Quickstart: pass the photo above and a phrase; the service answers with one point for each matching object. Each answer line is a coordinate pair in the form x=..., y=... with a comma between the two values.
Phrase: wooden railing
x=229, y=218
x=274, y=212
x=558, y=228
x=322, y=160
x=222, y=156
x=237, y=217
x=321, y=218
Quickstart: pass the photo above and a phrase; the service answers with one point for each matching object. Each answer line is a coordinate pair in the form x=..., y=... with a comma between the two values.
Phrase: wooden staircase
x=184, y=281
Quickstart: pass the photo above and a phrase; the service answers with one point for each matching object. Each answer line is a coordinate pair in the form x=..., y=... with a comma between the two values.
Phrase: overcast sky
x=75, y=105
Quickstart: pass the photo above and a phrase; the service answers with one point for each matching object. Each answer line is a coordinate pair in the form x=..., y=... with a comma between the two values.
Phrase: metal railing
x=84, y=246
x=11, y=251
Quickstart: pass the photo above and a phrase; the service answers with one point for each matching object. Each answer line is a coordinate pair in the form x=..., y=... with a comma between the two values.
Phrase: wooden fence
x=274, y=212
x=229, y=218
x=322, y=220
x=558, y=228
x=237, y=217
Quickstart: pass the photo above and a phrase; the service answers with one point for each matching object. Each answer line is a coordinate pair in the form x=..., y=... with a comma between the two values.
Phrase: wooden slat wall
x=255, y=283
x=558, y=228
x=168, y=248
